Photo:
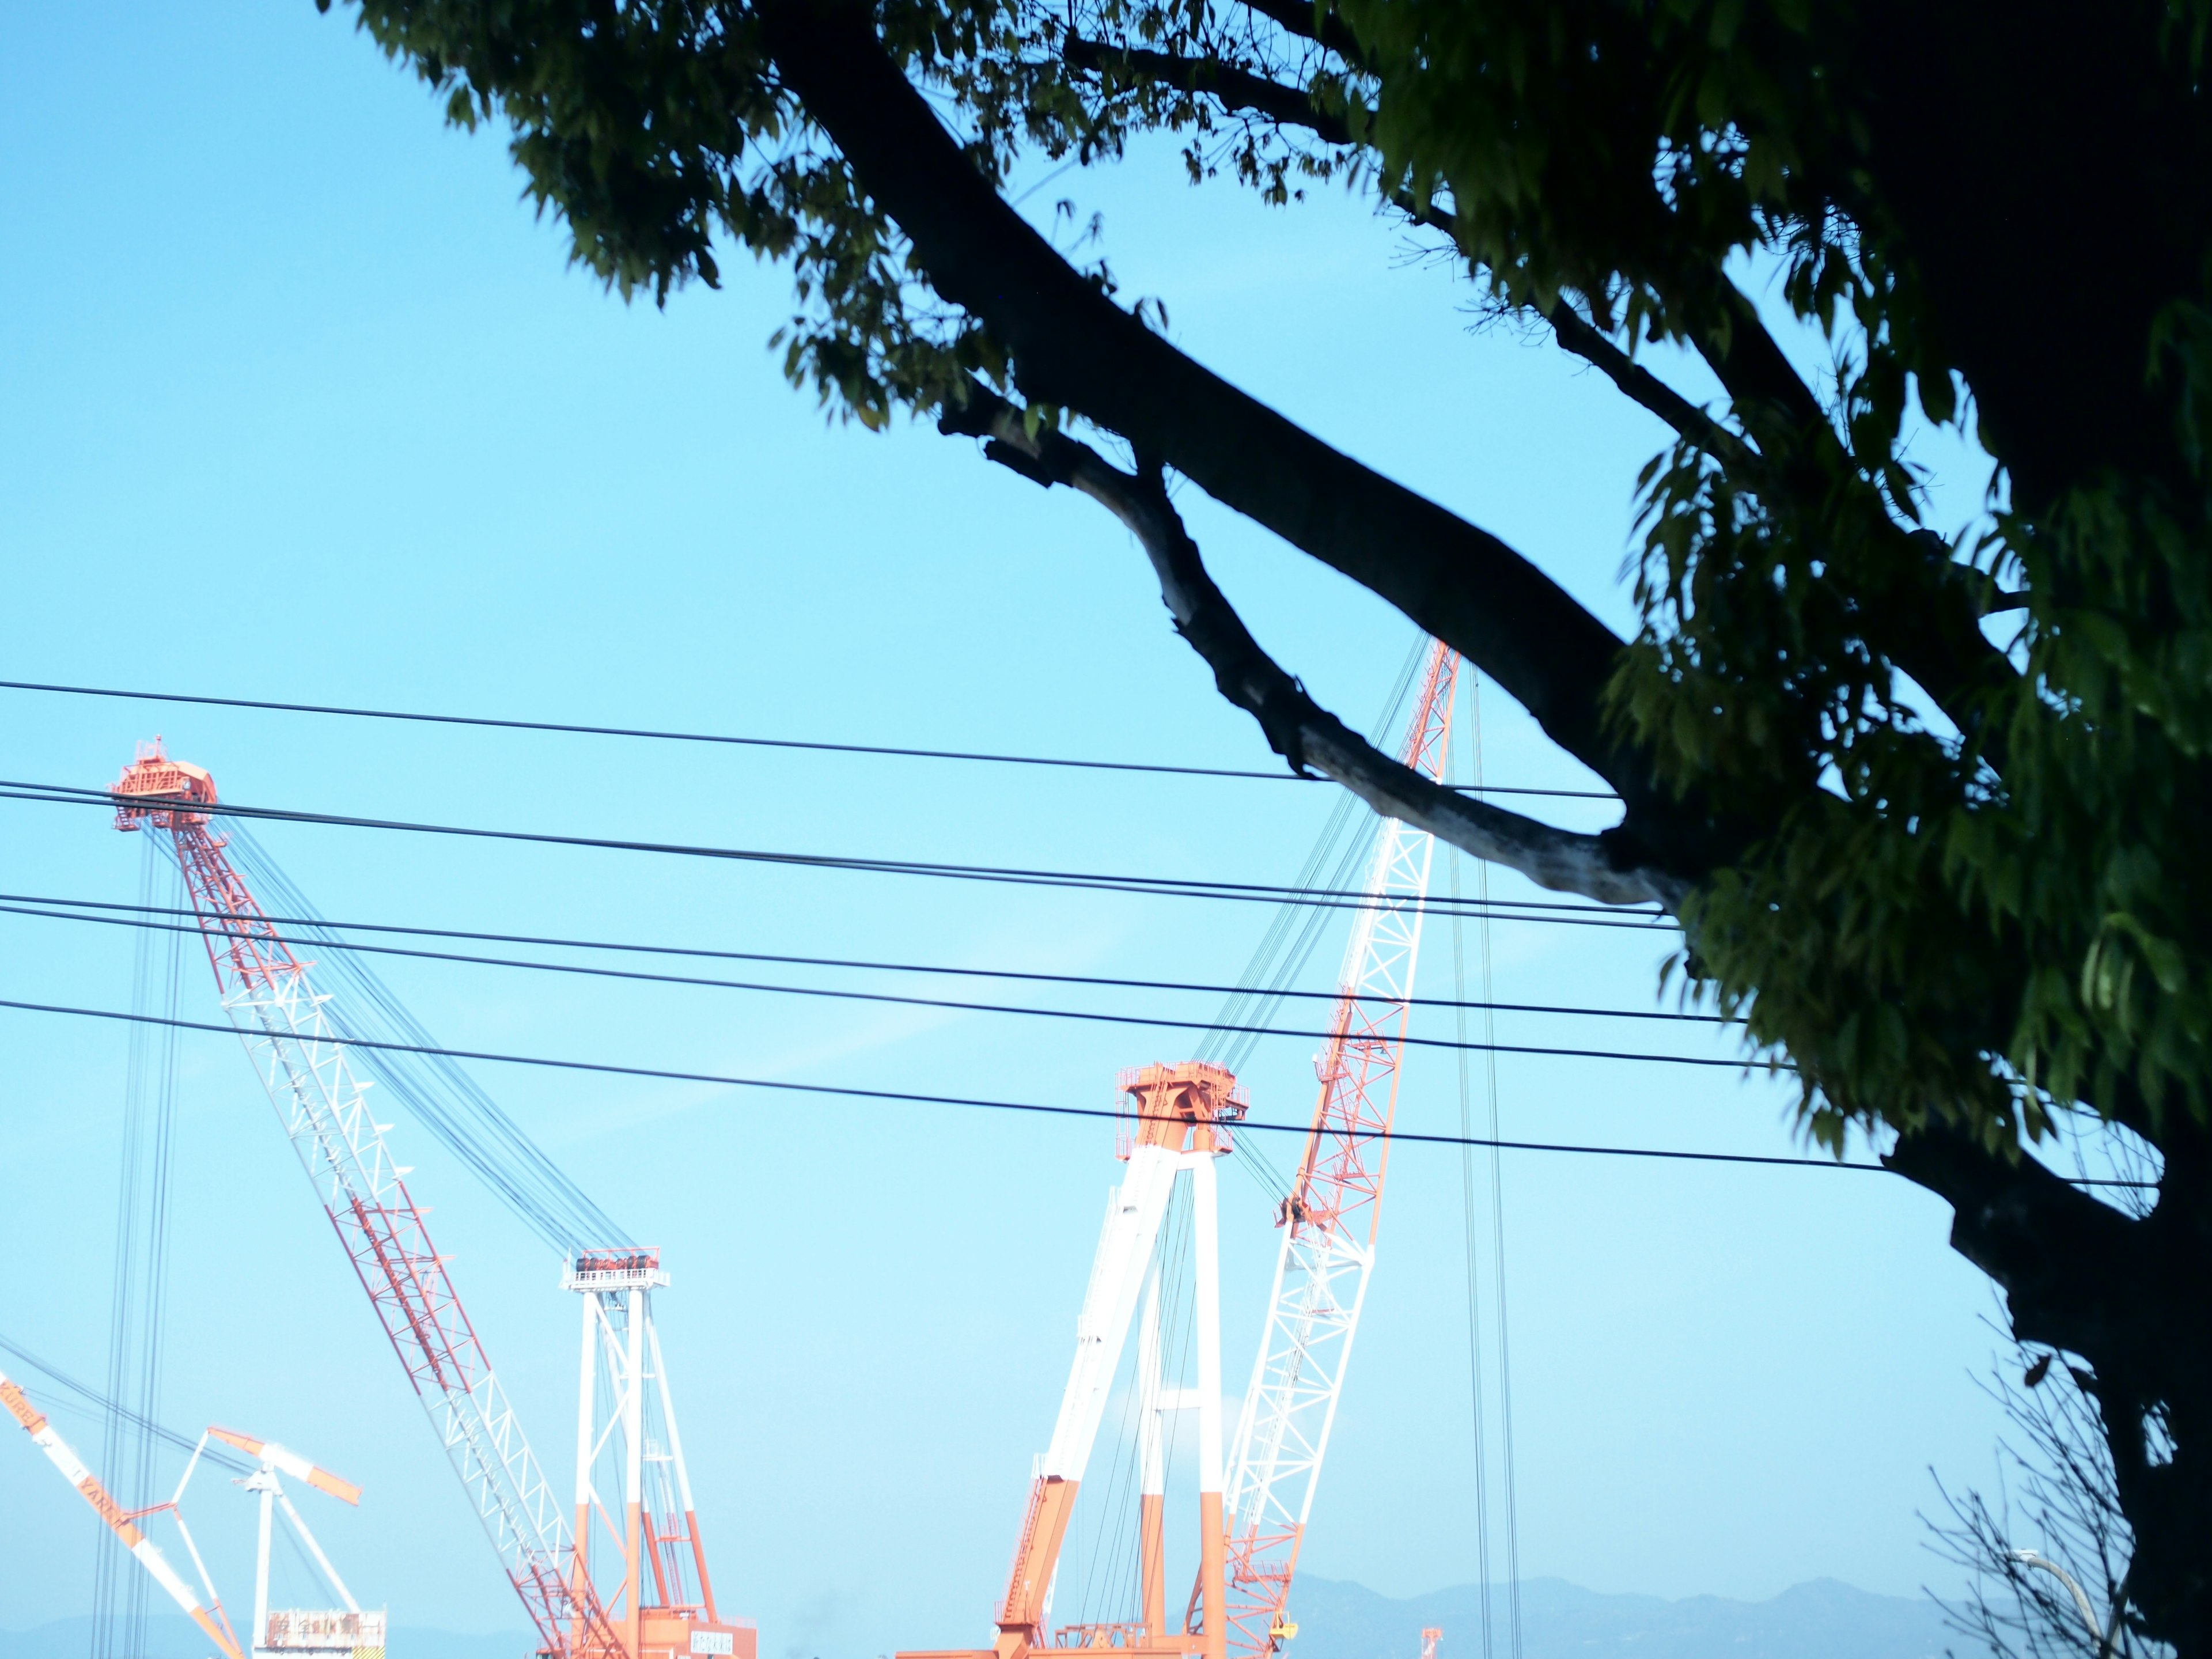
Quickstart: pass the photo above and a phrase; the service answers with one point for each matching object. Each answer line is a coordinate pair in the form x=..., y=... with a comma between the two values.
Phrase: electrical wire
x=572, y=729
x=1033, y=1108
x=325, y=939
x=1588, y=915
x=26, y=904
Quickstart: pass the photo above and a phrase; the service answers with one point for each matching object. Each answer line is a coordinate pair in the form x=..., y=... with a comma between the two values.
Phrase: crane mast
x=652, y=1579
x=1328, y=1222
x=303, y=1062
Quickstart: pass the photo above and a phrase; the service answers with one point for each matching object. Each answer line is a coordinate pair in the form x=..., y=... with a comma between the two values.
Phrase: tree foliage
x=1931, y=812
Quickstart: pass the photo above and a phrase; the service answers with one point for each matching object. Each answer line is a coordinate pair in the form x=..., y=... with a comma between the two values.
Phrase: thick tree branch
x=1296, y=727
x=2064, y=1259
x=1235, y=89
x=1072, y=346
x=1641, y=386
x=1940, y=645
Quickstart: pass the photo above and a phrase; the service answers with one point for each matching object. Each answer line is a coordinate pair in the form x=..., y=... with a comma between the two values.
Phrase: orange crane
x=305, y=1063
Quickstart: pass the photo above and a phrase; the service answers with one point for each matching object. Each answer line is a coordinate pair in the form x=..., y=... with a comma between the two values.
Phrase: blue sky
x=302, y=404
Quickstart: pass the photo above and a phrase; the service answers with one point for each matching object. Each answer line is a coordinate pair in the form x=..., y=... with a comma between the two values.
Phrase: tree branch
x=1641, y=386
x=1235, y=89
x=2065, y=1261
x=1073, y=347
x=1298, y=728
x=1941, y=645
x=1240, y=91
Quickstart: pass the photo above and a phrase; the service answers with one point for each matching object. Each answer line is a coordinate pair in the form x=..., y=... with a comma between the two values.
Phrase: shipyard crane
x=301, y=1058
x=1330, y=1218
x=208, y=1615
x=1253, y=1513
x=1177, y=1120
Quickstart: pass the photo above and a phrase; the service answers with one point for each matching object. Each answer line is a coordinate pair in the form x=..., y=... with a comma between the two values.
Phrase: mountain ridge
x=1820, y=1619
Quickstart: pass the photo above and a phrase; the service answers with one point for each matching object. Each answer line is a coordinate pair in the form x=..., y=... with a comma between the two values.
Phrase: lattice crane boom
x=1329, y=1221
x=268, y=995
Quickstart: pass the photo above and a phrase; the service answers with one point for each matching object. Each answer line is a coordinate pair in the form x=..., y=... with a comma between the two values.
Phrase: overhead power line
x=23, y=903
x=836, y=994
x=1586, y=915
x=1033, y=1108
x=570, y=728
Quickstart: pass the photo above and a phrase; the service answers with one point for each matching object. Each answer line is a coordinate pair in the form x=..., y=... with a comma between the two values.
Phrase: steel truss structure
x=301, y=1061
x=1329, y=1220
x=657, y=1592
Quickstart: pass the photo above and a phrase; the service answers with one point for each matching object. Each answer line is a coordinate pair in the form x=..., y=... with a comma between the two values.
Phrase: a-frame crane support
x=1180, y=1126
x=209, y=1616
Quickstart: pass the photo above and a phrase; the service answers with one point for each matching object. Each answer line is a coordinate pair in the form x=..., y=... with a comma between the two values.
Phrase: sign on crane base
x=323, y=1633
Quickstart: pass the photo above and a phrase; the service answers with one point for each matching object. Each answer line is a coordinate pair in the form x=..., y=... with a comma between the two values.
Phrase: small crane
x=208, y=1615
x=297, y=1632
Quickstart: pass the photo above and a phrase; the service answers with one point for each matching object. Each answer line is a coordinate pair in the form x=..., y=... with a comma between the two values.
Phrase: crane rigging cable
x=1587, y=915
x=1504, y=1370
x=91, y=1399
x=442, y=1097
x=1278, y=776
x=1296, y=929
x=138, y=1298
x=329, y=940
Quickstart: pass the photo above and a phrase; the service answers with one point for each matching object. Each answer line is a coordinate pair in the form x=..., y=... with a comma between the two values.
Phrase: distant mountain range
x=1823, y=1620
x=173, y=1636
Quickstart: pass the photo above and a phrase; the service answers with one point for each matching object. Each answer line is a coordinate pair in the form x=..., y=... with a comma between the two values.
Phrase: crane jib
x=1330, y=1219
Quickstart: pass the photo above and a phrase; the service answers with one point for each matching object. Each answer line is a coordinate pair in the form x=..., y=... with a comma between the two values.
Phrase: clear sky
x=302, y=404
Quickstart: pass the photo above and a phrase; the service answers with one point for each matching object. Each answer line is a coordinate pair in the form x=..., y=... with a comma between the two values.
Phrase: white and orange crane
x=1253, y=1506
x=1330, y=1219
x=209, y=1615
x=278, y=1633
x=1178, y=1122
x=302, y=1059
